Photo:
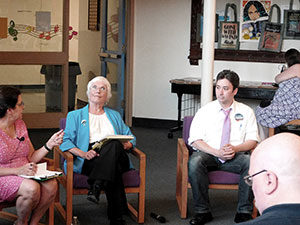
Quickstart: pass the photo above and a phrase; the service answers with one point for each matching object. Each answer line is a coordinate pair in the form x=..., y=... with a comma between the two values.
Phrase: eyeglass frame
x=96, y=88
x=249, y=179
x=20, y=104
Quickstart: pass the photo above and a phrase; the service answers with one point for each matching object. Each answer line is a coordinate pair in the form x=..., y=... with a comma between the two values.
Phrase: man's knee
x=196, y=163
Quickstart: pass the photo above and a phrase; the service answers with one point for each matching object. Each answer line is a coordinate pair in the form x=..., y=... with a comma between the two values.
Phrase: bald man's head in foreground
x=276, y=163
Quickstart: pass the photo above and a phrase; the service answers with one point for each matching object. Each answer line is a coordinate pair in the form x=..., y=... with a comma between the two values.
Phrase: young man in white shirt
x=210, y=153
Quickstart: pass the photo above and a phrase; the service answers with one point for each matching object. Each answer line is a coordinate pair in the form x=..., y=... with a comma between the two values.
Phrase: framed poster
x=291, y=24
x=252, y=15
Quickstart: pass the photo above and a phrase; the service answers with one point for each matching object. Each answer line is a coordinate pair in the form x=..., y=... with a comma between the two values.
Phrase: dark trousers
x=200, y=163
x=109, y=166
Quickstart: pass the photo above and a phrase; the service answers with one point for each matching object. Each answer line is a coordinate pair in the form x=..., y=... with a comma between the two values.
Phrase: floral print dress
x=13, y=153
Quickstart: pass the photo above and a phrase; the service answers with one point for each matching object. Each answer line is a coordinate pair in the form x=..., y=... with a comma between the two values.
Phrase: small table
x=247, y=90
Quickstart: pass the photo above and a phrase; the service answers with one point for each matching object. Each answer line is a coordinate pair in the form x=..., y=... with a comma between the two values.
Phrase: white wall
x=88, y=49
x=161, y=49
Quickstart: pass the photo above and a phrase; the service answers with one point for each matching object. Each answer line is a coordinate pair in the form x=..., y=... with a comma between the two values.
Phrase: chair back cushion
x=131, y=178
x=62, y=123
x=187, y=121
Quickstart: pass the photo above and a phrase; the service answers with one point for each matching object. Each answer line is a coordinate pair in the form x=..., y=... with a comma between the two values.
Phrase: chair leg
x=50, y=214
x=69, y=208
x=141, y=214
x=181, y=183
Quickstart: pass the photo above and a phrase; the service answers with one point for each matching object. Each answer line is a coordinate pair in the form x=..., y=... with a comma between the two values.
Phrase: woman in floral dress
x=18, y=157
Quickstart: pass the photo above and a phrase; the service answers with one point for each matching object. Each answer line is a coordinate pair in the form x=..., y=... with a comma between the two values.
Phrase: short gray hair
x=105, y=81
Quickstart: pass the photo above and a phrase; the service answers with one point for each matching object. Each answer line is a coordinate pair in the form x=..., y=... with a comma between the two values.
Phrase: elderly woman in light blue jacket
x=105, y=167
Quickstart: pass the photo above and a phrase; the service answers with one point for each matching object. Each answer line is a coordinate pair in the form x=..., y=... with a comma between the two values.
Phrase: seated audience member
x=105, y=167
x=285, y=105
x=274, y=175
x=18, y=157
x=220, y=134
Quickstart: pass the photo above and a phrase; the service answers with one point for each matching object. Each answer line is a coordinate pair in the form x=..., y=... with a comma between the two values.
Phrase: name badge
x=238, y=117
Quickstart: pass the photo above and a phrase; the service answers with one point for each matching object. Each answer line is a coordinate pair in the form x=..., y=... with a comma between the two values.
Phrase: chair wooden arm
x=66, y=180
x=138, y=153
x=182, y=177
x=142, y=162
x=66, y=155
x=182, y=148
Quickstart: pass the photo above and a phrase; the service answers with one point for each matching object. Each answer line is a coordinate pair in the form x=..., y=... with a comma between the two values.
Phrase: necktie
x=226, y=130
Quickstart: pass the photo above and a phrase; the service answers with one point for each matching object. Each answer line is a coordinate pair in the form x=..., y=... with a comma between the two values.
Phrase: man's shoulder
x=210, y=105
x=242, y=106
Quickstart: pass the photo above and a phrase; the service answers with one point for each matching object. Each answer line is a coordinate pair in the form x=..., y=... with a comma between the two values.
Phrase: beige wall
x=161, y=49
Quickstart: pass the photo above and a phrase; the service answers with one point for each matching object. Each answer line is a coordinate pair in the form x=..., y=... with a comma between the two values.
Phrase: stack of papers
x=42, y=173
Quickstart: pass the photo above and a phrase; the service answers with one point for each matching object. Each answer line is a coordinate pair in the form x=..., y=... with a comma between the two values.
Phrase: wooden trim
x=94, y=15
x=129, y=63
x=42, y=120
x=33, y=58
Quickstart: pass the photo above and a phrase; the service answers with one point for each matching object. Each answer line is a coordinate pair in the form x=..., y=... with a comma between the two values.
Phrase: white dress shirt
x=208, y=122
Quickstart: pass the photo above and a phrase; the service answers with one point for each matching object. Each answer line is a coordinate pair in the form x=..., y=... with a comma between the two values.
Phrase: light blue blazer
x=77, y=133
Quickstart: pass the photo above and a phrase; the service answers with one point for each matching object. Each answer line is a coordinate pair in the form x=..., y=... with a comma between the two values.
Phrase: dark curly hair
x=258, y=5
x=8, y=99
x=231, y=76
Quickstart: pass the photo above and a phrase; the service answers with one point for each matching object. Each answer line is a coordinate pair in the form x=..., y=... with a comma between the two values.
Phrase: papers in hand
x=42, y=173
x=121, y=138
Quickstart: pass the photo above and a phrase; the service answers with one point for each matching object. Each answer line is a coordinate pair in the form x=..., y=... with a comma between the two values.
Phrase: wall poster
x=252, y=15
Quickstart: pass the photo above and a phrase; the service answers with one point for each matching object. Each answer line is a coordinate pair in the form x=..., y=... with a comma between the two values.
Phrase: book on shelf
x=121, y=138
x=42, y=173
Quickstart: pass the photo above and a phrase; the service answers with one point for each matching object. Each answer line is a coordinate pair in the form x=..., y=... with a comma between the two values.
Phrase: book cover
x=122, y=138
x=42, y=173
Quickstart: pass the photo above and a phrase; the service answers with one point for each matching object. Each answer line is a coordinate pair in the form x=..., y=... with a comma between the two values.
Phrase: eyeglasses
x=249, y=179
x=20, y=104
x=95, y=88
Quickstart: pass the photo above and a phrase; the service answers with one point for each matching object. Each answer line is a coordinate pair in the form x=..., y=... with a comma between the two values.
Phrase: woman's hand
x=127, y=145
x=90, y=154
x=56, y=139
x=28, y=169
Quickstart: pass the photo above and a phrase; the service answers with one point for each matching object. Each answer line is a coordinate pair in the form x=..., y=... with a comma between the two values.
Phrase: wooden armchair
x=76, y=184
x=217, y=179
x=293, y=122
x=12, y=217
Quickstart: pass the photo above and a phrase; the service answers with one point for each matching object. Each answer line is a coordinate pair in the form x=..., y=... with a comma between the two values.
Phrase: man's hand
x=90, y=154
x=227, y=152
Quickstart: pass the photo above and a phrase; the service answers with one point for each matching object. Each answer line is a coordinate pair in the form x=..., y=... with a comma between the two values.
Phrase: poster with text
x=229, y=35
x=253, y=14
